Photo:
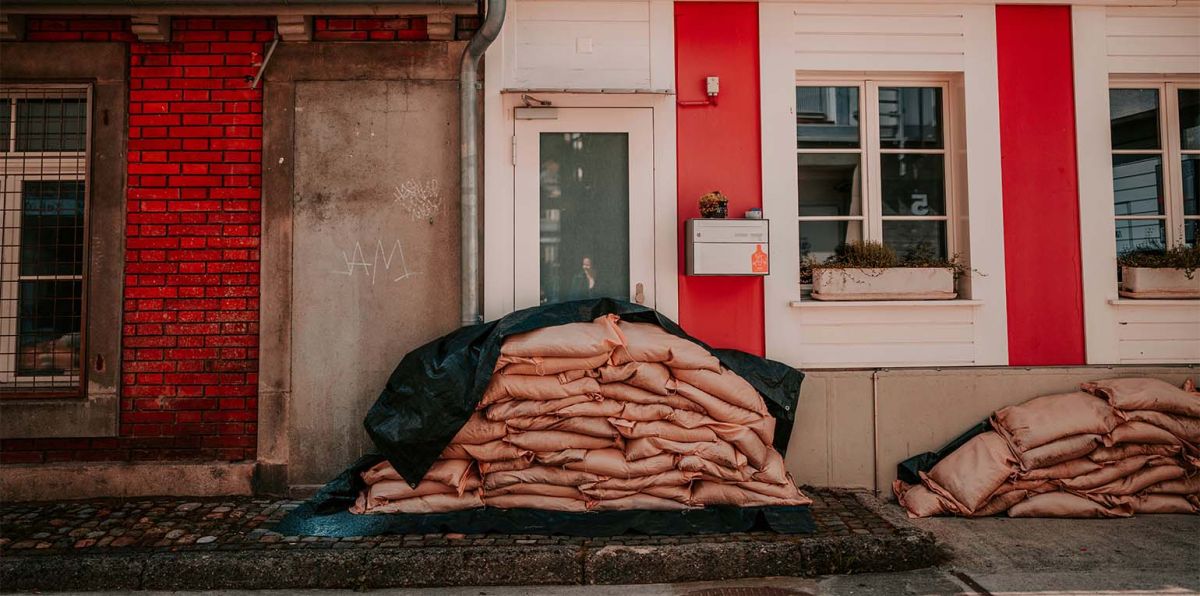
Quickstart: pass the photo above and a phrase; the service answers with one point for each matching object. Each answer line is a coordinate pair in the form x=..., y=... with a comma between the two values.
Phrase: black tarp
x=436, y=387
x=909, y=469
x=434, y=390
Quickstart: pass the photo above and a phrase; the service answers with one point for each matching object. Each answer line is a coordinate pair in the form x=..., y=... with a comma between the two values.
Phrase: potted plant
x=1158, y=273
x=872, y=271
x=714, y=205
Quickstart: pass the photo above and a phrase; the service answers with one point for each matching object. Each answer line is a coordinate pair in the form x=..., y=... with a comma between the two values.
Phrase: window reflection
x=584, y=206
x=910, y=117
x=1137, y=185
x=1133, y=115
x=830, y=184
x=826, y=117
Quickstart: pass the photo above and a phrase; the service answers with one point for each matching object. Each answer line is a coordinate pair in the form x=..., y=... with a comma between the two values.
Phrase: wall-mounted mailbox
x=728, y=247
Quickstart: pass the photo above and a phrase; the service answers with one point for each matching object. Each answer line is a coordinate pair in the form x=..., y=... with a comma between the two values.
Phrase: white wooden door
x=584, y=206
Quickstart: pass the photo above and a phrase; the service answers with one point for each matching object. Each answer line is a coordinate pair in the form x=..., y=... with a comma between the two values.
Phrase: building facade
x=222, y=232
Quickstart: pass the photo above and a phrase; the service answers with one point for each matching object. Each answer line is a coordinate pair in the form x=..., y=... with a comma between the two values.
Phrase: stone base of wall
x=56, y=482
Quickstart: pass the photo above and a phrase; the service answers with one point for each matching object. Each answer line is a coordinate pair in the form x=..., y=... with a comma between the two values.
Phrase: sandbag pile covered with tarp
x=1115, y=448
x=603, y=415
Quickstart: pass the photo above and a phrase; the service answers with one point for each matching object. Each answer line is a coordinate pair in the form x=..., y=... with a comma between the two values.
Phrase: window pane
x=904, y=236
x=1191, y=229
x=5, y=123
x=51, y=124
x=913, y=184
x=48, y=327
x=52, y=227
x=585, y=216
x=1137, y=185
x=1191, y=184
x=910, y=117
x=820, y=239
x=830, y=184
x=1189, y=118
x=1140, y=234
x=826, y=117
x=1133, y=115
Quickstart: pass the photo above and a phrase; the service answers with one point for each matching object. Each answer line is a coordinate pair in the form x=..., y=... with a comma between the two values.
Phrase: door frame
x=526, y=216
x=499, y=208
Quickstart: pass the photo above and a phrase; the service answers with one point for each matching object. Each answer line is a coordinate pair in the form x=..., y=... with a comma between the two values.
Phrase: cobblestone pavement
x=244, y=523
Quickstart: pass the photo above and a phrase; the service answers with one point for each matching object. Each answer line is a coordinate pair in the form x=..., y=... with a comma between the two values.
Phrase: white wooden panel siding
x=1153, y=40
x=883, y=335
x=550, y=38
x=1160, y=332
x=878, y=37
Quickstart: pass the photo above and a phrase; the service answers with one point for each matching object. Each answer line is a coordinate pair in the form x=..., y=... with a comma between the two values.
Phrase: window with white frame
x=1155, y=164
x=872, y=161
x=43, y=184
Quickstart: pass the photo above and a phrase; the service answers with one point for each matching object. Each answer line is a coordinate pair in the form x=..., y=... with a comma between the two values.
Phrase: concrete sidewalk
x=176, y=544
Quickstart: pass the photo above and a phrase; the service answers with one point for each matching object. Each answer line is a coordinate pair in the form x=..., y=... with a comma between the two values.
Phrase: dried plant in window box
x=1161, y=273
x=872, y=271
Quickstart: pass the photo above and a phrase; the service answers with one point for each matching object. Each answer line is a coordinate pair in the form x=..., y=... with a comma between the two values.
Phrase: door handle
x=639, y=296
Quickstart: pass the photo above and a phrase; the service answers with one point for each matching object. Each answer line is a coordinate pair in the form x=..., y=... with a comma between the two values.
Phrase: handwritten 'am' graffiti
x=380, y=264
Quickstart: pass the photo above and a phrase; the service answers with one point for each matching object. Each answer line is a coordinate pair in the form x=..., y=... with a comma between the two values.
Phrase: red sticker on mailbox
x=759, y=262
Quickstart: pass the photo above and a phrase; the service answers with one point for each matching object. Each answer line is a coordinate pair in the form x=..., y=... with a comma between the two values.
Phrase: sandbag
x=612, y=463
x=717, y=493
x=638, y=501
x=919, y=501
x=436, y=503
x=1107, y=473
x=716, y=451
x=1051, y=417
x=525, y=501
x=505, y=465
x=451, y=472
x=560, y=458
x=970, y=474
x=573, y=340
x=708, y=469
x=528, y=409
x=554, y=440
x=1064, y=504
x=1184, y=427
x=649, y=343
x=621, y=391
x=1141, y=393
x=493, y=452
x=671, y=477
x=1067, y=469
x=1142, y=432
x=1178, y=486
x=1122, y=451
x=1140, y=480
x=538, y=489
x=716, y=408
x=591, y=426
x=479, y=430
x=1055, y=452
x=1000, y=503
x=538, y=475
x=726, y=386
x=507, y=387
x=516, y=365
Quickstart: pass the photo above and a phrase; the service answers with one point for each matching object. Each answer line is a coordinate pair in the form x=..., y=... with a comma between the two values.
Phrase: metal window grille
x=44, y=143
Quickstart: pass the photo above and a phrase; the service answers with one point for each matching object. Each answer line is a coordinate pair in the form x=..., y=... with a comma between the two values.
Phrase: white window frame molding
x=1106, y=315
x=977, y=227
x=1170, y=148
x=870, y=151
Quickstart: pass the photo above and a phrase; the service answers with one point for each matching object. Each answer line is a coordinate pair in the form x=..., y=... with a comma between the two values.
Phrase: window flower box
x=890, y=283
x=1158, y=283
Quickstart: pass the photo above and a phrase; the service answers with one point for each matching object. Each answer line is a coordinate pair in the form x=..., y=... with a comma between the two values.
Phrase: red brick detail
x=190, y=341
x=356, y=28
x=101, y=28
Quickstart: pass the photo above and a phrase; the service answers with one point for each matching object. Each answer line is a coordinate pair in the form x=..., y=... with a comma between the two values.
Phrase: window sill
x=883, y=303
x=1194, y=302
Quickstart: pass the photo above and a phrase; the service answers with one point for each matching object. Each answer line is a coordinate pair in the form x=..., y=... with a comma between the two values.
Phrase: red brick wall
x=190, y=341
x=356, y=28
x=78, y=29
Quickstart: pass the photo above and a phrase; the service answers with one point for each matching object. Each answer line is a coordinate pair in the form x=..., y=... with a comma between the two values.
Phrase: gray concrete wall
x=375, y=252
x=853, y=427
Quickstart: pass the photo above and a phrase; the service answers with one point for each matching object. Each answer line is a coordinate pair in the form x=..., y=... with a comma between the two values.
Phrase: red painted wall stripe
x=719, y=148
x=1041, y=198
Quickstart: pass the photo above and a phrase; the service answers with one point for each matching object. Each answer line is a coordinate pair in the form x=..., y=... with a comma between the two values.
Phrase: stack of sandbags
x=1118, y=447
x=607, y=415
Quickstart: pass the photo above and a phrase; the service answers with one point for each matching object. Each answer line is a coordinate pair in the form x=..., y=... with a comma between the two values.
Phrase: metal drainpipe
x=472, y=307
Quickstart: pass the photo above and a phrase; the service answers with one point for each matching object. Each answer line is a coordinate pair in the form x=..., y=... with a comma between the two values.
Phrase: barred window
x=43, y=226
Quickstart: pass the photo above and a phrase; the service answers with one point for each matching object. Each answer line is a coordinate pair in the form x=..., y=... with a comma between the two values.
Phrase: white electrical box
x=728, y=247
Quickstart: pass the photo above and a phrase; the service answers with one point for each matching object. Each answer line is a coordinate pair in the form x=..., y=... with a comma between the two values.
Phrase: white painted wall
x=861, y=40
x=1122, y=41
x=578, y=54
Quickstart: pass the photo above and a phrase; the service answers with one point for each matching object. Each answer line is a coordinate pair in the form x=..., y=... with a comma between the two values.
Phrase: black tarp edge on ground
x=909, y=470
